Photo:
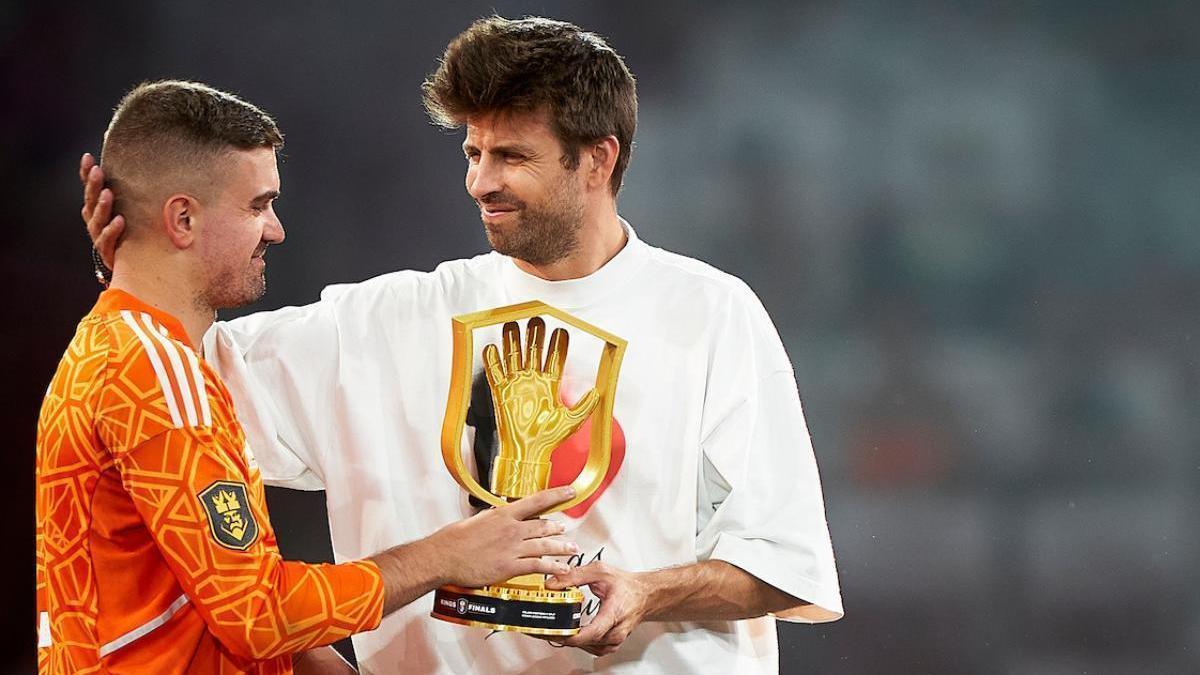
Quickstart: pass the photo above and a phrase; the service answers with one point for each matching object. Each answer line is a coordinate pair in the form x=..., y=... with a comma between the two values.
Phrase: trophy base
x=517, y=606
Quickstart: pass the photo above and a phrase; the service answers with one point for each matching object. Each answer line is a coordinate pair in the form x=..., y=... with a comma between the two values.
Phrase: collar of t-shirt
x=116, y=300
x=578, y=293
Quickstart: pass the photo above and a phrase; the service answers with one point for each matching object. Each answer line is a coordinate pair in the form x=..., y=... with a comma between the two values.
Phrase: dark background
x=974, y=224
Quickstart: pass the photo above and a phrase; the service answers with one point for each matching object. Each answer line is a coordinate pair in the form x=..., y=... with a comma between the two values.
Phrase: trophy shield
x=523, y=379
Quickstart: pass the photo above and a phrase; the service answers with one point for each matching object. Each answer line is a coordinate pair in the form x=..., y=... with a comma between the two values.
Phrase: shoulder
x=154, y=382
x=86, y=356
x=720, y=305
x=80, y=374
x=412, y=289
x=709, y=283
x=350, y=311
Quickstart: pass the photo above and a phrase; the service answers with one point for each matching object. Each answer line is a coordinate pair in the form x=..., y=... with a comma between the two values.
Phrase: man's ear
x=178, y=219
x=600, y=159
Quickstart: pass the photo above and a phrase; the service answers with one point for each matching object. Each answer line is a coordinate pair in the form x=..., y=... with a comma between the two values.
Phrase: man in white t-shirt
x=710, y=523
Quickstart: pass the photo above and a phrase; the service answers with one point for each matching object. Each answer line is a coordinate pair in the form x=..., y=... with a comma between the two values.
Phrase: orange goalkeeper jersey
x=154, y=550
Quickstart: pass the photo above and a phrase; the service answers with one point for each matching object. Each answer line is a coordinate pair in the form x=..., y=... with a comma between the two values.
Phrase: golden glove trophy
x=530, y=422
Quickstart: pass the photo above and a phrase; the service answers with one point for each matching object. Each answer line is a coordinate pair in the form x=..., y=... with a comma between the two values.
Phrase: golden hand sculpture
x=531, y=420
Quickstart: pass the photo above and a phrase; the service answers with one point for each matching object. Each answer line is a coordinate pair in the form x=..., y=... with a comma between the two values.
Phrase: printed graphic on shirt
x=233, y=525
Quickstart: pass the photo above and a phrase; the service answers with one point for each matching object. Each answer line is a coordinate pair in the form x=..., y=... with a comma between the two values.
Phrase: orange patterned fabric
x=154, y=550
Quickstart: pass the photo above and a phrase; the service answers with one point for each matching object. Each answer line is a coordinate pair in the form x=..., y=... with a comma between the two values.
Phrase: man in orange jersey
x=155, y=553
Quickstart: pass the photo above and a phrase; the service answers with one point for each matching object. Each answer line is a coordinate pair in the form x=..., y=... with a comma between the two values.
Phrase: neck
x=601, y=237
x=168, y=292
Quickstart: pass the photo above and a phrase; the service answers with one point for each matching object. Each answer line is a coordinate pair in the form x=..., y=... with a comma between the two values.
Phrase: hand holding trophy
x=531, y=421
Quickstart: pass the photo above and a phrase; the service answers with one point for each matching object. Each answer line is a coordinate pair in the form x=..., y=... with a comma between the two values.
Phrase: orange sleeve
x=210, y=522
x=171, y=430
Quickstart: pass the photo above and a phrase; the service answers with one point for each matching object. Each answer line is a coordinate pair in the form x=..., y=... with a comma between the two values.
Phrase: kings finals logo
x=232, y=523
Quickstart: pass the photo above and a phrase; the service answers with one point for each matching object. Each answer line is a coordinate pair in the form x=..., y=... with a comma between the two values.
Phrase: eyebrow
x=265, y=197
x=515, y=148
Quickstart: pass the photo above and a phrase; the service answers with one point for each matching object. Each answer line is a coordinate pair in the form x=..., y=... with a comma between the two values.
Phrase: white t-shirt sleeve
x=280, y=367
x=760, y=505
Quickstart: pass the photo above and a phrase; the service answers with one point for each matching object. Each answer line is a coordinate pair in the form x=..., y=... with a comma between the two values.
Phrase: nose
x=484, y=177
x=273, y=232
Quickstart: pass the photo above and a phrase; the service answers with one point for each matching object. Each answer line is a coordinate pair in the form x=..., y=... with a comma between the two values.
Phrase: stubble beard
x=543, y=234
x=231, y=290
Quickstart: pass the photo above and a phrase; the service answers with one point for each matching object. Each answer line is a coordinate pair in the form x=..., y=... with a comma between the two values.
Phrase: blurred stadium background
x=974, y=224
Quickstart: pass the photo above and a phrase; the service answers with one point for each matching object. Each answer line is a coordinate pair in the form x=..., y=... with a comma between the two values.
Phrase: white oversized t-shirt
x=712, y=459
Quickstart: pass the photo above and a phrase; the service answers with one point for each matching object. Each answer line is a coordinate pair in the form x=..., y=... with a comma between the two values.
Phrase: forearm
x=709, y=590
x=299, y=606
x=283, y=606
x=409, y=571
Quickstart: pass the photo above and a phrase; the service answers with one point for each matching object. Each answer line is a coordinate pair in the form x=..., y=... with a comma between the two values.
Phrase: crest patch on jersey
x=229, y=516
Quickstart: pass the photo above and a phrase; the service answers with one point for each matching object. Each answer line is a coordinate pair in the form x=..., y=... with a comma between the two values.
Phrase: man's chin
x=256, y=293
x=534, y=248
x=503, y=248
x=499, y=243
x=247, y=296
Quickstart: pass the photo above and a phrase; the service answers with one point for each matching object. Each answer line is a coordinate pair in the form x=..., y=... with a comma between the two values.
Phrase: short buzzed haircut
x=532, y=64
x=164, y=135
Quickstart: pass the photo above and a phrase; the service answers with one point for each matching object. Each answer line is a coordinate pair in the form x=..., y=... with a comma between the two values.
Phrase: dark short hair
x=161, y=128
x=531, y=64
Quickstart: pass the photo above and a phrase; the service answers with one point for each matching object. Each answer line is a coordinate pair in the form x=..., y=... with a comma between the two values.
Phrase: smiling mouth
x=493, y=211
x=497, y=204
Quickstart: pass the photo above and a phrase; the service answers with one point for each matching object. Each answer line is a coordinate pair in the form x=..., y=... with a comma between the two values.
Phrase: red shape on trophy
x=570, y=456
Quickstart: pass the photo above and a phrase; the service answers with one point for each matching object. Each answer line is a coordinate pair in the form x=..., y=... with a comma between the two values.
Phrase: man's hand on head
x=623, y=597
x=104, y=229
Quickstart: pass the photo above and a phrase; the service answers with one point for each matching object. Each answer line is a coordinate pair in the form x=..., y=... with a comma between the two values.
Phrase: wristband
x=103, y=274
